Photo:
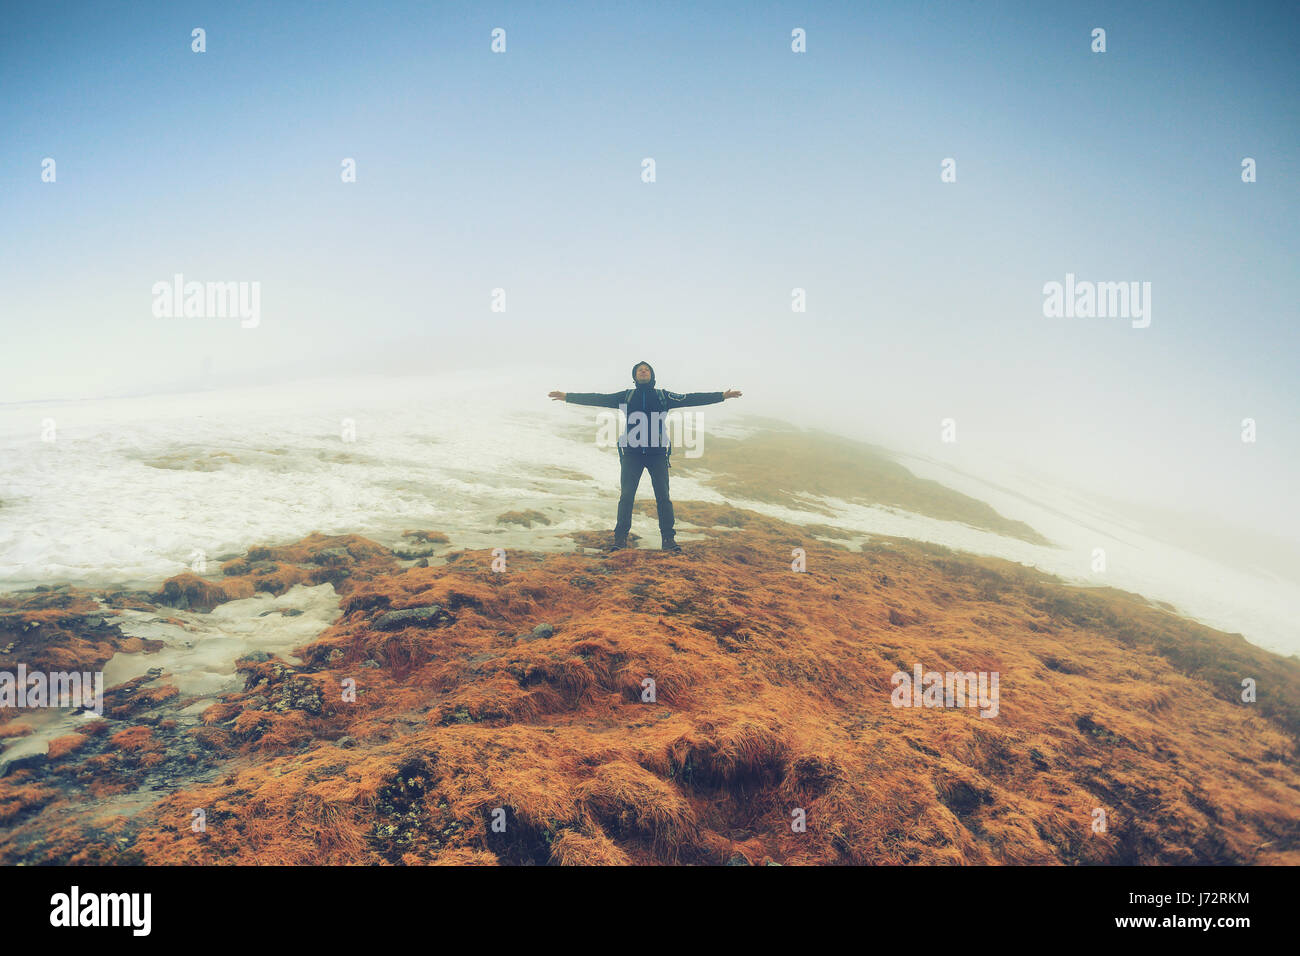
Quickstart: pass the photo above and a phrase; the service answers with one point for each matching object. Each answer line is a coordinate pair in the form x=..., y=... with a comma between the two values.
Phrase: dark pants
x=657, y=465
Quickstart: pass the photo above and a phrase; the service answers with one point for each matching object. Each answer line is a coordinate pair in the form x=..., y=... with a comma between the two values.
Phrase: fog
x=797, y=240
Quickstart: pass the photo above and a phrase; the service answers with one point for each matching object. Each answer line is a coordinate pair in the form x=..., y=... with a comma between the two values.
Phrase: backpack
x=663, y=407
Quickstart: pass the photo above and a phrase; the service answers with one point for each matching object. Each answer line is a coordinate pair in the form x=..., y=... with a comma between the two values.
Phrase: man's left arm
x=680, y=400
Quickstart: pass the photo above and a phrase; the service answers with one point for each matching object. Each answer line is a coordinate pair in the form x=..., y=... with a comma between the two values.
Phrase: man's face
x=643, y=373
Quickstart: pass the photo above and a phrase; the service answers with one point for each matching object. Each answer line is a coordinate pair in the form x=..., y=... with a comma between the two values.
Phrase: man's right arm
x=612, y=400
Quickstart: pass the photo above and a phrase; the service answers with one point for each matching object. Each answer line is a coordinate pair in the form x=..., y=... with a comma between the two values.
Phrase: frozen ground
x=131, y=491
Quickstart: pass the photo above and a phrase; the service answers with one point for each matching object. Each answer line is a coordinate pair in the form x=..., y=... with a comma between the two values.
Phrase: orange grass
x=473, y=740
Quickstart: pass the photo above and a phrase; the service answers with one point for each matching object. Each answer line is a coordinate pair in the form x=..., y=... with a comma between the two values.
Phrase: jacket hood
x=652, y=374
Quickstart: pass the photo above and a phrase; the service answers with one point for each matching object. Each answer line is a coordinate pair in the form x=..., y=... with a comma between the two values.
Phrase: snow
x=131, y=491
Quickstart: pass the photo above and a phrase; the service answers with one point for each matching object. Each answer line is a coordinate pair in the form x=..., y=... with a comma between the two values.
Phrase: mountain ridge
x=519, y=703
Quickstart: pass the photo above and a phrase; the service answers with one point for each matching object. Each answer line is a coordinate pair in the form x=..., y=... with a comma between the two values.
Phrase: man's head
x=643, y=373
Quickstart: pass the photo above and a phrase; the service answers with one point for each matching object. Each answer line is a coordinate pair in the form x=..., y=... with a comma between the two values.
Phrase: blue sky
x=774, y=171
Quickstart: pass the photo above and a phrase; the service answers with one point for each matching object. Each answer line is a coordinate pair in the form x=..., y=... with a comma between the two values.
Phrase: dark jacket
x=645, y=399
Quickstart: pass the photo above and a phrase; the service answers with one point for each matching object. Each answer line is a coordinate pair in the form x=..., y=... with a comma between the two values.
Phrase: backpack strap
x=627, y=402
x=663, y=403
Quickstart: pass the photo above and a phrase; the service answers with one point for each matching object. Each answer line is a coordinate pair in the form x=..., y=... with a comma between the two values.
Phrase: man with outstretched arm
x=645, y=444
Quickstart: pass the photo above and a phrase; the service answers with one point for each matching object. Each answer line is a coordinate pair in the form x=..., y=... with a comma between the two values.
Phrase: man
x=645, y=446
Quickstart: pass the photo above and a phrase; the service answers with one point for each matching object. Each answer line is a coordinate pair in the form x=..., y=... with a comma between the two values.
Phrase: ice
x=201, y=649
x=47, y=724
x=199, y=654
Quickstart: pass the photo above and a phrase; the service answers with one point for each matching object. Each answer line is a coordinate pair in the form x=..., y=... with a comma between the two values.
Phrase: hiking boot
x=670, y=544
x=619, y=544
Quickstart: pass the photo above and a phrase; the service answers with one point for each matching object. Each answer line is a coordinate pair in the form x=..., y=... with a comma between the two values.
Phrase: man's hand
x=558, y=396
x=730, y=393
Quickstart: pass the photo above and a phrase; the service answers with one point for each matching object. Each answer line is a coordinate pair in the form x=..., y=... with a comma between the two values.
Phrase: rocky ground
x=457, y=714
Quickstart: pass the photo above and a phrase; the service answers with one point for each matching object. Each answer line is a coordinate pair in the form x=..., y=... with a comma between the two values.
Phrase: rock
x=301, y=693
x=431, y=616
x=738, y=859
x=369, y=662
x=332, y=557
x=540, y=633
x=188, y=591
x=282, y=611
x=434, y=537
x=410, y=554
x=525, y=518
x=346, y=742
x=256, y=656
x=333, y=576
x=30, y=762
